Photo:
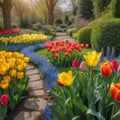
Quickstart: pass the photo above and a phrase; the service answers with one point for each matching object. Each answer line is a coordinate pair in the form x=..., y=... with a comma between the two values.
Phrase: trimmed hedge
x=58, y=22
x=84, y=35
x=106, y=34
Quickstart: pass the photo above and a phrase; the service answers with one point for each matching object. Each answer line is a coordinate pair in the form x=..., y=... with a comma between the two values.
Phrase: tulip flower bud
x=75, y=63
x=114, y=64
x=119, y=69
x=82, y=66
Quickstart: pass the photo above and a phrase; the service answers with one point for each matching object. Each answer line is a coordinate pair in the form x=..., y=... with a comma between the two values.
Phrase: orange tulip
x=115, y=91
x=106, y=68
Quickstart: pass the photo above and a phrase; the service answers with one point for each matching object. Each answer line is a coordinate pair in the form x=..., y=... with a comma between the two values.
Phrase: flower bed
x=24, y=39
x=3, y=32
x=89, y=91
x=62, y=53
x=13, y=80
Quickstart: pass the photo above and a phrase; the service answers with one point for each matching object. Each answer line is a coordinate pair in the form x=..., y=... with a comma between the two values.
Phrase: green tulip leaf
x=116, y=116
x=96, y=114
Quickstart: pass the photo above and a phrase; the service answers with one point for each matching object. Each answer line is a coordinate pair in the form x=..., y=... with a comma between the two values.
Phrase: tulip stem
x=113, y=109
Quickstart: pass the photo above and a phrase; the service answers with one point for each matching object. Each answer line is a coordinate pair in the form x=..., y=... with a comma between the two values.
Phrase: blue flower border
x=50, y=71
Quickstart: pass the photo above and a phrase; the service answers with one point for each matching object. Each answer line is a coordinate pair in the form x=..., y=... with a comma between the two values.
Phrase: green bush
x=116, y=8
x=75, y=35
x=84, y=35
x=34, y=28
x=63, y=26
x=71, y=31
x=106, y=34
x=58, y=22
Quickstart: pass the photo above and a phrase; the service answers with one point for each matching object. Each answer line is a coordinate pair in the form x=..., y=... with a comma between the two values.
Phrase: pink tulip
x=119, y=69
x=75, y=63
x=82, y=66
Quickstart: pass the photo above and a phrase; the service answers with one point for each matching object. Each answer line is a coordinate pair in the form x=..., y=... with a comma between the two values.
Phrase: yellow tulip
x=13, y=73
x=4, y=84
x=65, y=78
x=26, y=59
x=7, y=78
x=20, y=75
x=20, y=67
x=92, y=58
x=3, y=70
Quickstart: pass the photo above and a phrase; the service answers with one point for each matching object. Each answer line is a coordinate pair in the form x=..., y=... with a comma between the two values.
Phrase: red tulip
x=60, y=84
x=114, y=64
x=75, y=63
x=106, y=68
x=86, y=45
x=119, y=69
x=82, y=45
x=57, y=56
x=4, y=99
x=66, y=54
x=115, y=91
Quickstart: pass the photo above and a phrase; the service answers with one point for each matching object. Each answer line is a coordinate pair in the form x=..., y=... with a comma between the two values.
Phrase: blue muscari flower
x=48, y=113
x=119, y=59
x=108, y=53
x=102, y=56
x=112, y=57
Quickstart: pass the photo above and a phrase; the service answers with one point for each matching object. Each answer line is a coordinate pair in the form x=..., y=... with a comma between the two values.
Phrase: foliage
x=85, y=9
x=13, y=79
x=99, y=6
x=58, y=21
x=104, y=16
x=84, y=35
x=106, y=33
x=116, y=8
x=66, y=19
x=71, y=31
x=88, y=97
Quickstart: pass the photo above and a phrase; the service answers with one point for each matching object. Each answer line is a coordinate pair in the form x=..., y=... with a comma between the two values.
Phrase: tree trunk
x=51, y=16
x=6, y=19
x=6, y=12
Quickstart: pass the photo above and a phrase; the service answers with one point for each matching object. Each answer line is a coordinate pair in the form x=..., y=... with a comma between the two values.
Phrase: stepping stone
x=37, y=93
x=33, y=71
x=36, y=85
x=23, y=115
x=30, y=66
x=35, y=104
x=34, y=77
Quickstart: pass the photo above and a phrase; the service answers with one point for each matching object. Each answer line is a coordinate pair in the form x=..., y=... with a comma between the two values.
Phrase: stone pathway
x=32, y=107
x=35, y=103
x=63, y=36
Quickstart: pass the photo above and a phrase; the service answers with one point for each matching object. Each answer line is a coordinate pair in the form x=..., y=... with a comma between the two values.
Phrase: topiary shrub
x=116, y=8
x=58, y=22
x=66, y=19
x=105, y=34
x=84, y=35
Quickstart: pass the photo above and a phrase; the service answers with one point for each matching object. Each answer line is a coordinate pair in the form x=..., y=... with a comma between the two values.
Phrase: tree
x=99, y=6
x=6, y=6
x=51, y=6
x=74, y=6
x=85, y=9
